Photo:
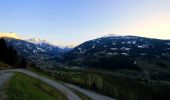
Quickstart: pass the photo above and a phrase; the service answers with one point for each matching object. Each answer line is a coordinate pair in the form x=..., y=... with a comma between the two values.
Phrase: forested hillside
x=9, y=56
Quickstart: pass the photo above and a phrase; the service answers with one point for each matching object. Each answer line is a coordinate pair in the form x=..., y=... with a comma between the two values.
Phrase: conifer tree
x=3, y=50
x=23, y=63
x=12, y=56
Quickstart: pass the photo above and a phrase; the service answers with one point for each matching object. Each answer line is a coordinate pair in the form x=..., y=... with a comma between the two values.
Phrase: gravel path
x=63, y=88
x=69, y=94
x=4, y=77
x=92, y=95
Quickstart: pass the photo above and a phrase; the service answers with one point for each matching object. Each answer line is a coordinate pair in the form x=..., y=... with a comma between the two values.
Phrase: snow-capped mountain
x=47, y=45
x=34, y=50
x=37, y=41
x=132, y=46
x=43, y=45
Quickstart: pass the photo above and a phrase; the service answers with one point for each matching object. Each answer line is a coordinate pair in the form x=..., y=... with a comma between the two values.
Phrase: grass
x=23, y=87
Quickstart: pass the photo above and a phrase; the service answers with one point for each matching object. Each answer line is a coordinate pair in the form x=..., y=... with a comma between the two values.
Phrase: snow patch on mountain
x=112, y=35
x=168, y=43
x=37, y=41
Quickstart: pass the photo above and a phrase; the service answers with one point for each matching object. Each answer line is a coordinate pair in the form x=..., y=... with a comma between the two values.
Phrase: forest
x=10, y=56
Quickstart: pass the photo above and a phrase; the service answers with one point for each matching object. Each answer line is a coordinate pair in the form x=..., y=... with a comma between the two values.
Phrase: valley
x=84, y=50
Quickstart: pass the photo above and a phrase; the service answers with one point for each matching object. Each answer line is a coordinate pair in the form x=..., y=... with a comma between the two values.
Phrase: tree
x=23, y=63
x=3, y=50
x=12, y=56
x=94, y=87
x=113, y=63
x=9, y=55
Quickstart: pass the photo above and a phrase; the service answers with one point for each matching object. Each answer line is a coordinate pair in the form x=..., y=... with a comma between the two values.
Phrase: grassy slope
x=22, y=87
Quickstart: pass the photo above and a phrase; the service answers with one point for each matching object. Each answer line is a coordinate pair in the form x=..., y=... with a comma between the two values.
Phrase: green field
x=22, y=87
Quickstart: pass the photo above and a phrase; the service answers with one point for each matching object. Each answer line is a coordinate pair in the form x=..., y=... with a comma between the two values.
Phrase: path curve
x=67, y=92
x=63, y=88
x=4, y=78
x=90, y=94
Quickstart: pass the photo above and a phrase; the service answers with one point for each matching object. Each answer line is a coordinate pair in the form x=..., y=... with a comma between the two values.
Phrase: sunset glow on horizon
x=71, y=22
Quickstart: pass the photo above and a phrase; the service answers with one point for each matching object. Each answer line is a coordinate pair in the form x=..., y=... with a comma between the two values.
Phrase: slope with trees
x=9, y=56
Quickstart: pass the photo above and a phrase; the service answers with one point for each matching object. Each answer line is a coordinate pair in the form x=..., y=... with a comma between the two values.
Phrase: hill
x=112, y=48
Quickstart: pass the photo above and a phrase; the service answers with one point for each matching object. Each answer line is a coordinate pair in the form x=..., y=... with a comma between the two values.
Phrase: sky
x=71, y=22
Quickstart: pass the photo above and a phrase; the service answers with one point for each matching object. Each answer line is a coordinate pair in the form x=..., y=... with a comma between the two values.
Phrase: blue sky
x=70, y=22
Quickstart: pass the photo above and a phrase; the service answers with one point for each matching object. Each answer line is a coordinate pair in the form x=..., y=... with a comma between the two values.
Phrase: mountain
x=36, y=41
x=46, y=47
x=133, y=47
x=66, y=48
x=125, y=45
x=34, y=51
x=93, y=50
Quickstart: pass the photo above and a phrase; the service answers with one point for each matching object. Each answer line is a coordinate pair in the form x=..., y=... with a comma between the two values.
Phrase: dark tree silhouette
x=113, y=63
x=12, y=56
x=3, y=50
x=94, y=87
x=9, y=55
x=23, y=63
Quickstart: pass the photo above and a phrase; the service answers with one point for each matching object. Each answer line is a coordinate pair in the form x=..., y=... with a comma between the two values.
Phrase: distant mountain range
x=35, y=48
x=132, y=46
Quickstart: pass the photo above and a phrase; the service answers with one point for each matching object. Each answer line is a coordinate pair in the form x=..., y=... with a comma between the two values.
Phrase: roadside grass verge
x=23, y=87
